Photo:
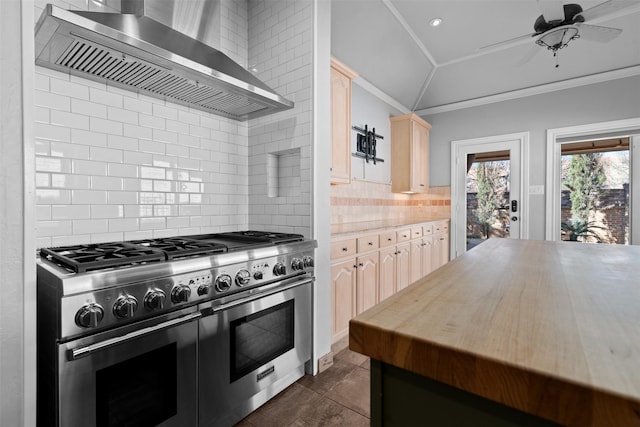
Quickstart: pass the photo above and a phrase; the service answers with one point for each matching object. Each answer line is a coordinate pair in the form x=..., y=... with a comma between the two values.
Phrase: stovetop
x=99, y=256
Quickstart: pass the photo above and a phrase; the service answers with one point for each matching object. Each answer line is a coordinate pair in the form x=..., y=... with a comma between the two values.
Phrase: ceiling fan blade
x=526, y=56
x=597, y=34
x=552, y=10
x=604, y=9
x=505, y=44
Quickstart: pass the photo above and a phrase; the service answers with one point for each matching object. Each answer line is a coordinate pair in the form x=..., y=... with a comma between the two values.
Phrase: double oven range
x=183, y=331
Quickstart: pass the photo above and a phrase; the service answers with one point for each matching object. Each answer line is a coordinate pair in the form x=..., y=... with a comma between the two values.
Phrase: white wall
x=612, y=100
x=368, y=109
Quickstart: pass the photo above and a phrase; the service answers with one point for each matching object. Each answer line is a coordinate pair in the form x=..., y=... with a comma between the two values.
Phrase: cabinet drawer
x=416, y=232
x=427, y=230
x=387, y=238
x=441, y=227
x=404, y=235
x=342, y=248
x=367, y=243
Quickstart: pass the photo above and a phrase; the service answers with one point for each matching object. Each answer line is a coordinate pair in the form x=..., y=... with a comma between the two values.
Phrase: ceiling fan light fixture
x=435, y=22
x=558, y=38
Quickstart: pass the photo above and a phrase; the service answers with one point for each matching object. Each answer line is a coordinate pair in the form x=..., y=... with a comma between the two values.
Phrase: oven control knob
x=180, y=293
x=297, y=264
x=223, y=282
x=242, y=277
x=279, y=269
x=154, y=300
x=89, y=316
x=125, y=307
x=258, y=275
x=203, y=289
x=308, y=261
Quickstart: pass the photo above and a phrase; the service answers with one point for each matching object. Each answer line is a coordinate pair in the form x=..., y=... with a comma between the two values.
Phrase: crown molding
x=534, y=90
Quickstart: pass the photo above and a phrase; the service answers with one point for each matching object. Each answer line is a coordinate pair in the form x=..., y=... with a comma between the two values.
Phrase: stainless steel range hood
x=137, y=53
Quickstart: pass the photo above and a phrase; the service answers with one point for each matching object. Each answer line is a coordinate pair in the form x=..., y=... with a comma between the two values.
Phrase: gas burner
x=262, y=236
x=178, y=247
x=82, y=258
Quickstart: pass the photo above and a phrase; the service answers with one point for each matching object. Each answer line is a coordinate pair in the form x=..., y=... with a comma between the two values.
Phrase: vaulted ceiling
x=426, y=69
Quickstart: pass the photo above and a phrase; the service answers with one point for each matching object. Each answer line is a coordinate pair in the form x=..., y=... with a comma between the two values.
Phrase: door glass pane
x=139, y=392
x=261, y=337
x=488, y=185
x=595, y=205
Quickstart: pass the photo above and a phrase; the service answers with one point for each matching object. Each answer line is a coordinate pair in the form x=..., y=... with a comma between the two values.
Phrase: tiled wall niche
x=283, y=173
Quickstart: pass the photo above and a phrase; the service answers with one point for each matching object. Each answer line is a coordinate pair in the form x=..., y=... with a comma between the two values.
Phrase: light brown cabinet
x=341, y=77
x=343, y=296
x=409, y=154
x=367, y=268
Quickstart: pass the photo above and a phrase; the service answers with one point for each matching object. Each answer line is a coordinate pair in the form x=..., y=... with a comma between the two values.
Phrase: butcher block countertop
x=549, y=328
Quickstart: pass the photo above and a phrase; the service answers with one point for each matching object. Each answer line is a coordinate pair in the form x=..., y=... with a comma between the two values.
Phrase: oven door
x=252, y=349
x=144, y=377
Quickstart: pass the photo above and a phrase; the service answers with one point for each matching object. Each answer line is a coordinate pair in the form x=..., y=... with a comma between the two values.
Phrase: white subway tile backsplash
x=106, y=183
x=70, y=181
x=79, y=136
x=68, y=88
x=138, y=105
x=90, y=197
x=53, y=228
x=122, y=197
x=70, y=212
x=137, y=131
x=123, y=170
x=101, y=96
x=88, y=167
x=52, y=132
x=112, y=127
x=106, y=154
x=87, y=108
x=160, y=169
x=51, y=164
x=107, y=211
x=52, y=196
x=73, y=151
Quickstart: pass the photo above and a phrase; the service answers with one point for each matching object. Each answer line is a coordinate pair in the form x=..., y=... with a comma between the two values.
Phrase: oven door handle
x=254, y=294
x=80, y=352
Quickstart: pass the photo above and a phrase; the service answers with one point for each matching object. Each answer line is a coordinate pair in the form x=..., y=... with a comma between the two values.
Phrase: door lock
x=514, y=206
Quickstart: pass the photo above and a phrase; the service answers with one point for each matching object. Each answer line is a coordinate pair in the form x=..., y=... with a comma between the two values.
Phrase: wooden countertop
x=550, y=328
x=380, y=225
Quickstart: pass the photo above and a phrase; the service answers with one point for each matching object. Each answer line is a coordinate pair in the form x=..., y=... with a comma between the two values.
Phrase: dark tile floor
x=338, y=396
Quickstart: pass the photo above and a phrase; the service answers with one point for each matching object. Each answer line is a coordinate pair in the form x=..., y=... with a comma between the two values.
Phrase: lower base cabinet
x=362, y=277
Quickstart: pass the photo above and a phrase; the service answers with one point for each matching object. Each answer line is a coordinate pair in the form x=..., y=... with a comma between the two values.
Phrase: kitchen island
x=514, y=332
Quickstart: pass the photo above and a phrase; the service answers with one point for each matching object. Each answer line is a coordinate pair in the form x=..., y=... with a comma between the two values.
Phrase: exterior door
x=515, y=146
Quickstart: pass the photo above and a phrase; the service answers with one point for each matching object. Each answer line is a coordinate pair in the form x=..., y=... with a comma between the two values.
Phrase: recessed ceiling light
x=435, y=22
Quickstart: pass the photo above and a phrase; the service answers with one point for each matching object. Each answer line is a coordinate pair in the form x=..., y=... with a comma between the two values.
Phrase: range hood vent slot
x=65, y=42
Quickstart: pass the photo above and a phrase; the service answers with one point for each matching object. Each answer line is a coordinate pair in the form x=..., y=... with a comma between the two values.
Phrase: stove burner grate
x=262, y=236
x=83, y=258
x=176, y=247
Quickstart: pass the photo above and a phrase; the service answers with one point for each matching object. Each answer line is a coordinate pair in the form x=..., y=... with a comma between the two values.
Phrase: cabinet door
x=367, y=281
x=343, y=296
x=416, y=260
x=387, y=272
x=444, y=248
x=403, y=261
x=340, y=128
x=427, y=255
x=419, y=157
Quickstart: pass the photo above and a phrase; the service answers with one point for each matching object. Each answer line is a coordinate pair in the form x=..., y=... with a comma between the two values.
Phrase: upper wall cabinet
x=341, y=77
x=409, y=154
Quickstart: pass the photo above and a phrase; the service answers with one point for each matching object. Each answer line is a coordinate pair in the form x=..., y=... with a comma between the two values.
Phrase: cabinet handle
x=344, y=249
x=421, y=185
x=361, y=265
x=389, y=239
x=404, y=235
x=370, y=243
x=355, y=266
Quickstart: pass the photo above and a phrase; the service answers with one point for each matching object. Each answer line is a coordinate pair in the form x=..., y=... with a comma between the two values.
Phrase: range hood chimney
x=135, y=52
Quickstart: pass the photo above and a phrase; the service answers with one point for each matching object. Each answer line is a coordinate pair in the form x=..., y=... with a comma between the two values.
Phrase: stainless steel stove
x=137, y=315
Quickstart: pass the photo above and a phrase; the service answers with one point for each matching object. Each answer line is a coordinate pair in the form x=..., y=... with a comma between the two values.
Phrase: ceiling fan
x=559, y=24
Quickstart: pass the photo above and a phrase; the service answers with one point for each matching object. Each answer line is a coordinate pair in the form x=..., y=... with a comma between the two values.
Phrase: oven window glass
x=259, y=338
x=140, y=392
